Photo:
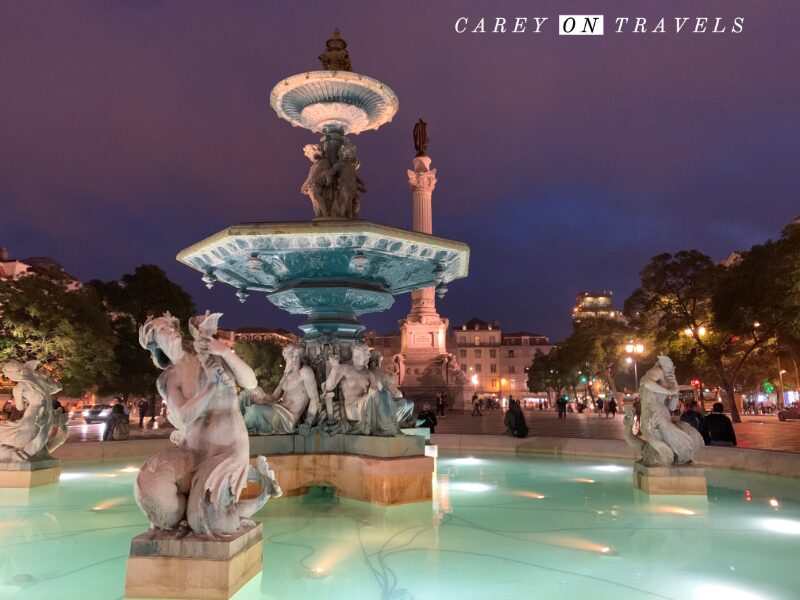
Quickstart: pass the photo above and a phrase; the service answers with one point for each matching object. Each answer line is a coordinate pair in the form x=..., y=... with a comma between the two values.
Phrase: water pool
x=499, y=527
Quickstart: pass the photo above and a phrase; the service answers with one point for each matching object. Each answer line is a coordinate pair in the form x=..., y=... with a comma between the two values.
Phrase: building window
x=493, y=368
x=512, y=369
x=526, y=341
x=478, y=368
x=510, y=354
x=462, y=353
x=462, y=341
x=464, y=368
x=477, y=340
x=477, y=353
x=494, y=382
x=492, y=339
x=492, y=353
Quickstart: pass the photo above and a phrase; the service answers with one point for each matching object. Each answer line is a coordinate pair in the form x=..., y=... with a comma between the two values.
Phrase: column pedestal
x=161, y=565
x=677, y=481
x=29, y=474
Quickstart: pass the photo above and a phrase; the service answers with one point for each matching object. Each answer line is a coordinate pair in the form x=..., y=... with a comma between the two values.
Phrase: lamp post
x=632, y=350
x=474, y=380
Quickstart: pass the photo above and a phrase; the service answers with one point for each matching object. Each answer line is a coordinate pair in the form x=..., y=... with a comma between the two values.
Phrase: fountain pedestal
x=29, y=474
x=681, y=480
x=163, y=566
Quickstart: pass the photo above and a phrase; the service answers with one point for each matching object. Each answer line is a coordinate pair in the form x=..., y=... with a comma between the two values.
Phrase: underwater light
x=611, y=468
x=468, y=460
x=773, y=502
x=707, y=591
x=466, y=486
x=787, y=526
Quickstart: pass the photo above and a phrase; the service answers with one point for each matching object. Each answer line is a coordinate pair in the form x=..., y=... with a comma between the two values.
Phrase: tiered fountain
x=334, y=268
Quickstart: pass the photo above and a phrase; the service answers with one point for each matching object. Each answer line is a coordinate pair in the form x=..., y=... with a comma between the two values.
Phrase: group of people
x=715, y=427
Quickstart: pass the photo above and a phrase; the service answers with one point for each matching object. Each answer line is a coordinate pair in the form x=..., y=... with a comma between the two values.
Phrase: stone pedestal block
x=384, y=481
x=678, y=481
x=162, y=565
x=29, y=474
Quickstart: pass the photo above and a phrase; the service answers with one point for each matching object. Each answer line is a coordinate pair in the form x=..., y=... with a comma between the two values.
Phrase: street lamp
x=474, y=380
x=503, y=381
x=632, y=350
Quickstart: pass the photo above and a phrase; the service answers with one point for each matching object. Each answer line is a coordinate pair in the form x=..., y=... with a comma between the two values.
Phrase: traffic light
x=583, y=378
x=695, y=383
x=768, y=386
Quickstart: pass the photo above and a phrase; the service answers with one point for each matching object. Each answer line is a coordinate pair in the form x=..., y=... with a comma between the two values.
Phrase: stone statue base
x=29, y=474
x=383, y=481
x=679, y=481
x=363, y=445
x=165, y=566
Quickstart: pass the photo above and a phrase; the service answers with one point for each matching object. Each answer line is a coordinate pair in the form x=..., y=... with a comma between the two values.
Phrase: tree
x=130, y=300
x=556, y=371
x=266, y=359
x=687, y=303
x=598, y=346
x=67, y=331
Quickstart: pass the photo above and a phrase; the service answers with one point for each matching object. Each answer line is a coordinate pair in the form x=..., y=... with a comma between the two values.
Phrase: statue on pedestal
x=403, y=407
x=369, y=409
x=317, y=184
x=336, y=57
x=659, y=441
x=296, y=394
x=399, y=367
x=197, y=484
x=41, y=429
x=334, y=188
x=421, y=138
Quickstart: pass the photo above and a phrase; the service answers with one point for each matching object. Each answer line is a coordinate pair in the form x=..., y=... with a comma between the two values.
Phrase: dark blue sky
x=131, y=130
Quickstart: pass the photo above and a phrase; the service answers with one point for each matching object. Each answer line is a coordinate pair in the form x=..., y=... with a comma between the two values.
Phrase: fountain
x=332, y=268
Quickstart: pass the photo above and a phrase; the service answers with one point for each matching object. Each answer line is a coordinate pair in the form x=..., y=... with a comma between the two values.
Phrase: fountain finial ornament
x=336, y=57
x=421, y=138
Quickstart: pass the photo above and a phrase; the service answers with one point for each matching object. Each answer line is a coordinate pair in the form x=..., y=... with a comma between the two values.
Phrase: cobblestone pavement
x=764, y=432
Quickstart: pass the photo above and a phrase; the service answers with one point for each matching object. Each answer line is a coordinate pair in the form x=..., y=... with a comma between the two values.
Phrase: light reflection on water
x=499, y=527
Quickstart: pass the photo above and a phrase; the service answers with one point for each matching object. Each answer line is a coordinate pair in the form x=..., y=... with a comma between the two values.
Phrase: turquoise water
x=500, y=527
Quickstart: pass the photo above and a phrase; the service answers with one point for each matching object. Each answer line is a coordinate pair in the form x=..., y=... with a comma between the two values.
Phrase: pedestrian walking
x=142, y=406
x=476, y=406
x=440, y=404
x=612, y=407
x=561, y=403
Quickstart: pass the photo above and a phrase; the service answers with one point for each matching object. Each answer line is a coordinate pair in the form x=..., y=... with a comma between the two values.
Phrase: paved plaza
x=764, y=432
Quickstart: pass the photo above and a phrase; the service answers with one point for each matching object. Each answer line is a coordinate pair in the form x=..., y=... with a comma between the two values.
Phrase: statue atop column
x=421, y=138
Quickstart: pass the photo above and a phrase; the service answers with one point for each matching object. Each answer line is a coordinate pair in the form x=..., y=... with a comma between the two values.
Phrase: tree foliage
x=266, y=359
x=130, y=300
x=67, y=331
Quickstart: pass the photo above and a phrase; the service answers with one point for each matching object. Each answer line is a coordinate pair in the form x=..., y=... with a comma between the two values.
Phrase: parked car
x=97, y=413
x=792, y=412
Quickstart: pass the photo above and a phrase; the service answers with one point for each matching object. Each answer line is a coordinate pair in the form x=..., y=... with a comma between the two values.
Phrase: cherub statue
x=404, y=408
x=296, y=394
x=348, y=184
x=317, y=185
x=660, y=442
x=41, y=429
x=368, y=407
x=198, y=482
x=399, y=367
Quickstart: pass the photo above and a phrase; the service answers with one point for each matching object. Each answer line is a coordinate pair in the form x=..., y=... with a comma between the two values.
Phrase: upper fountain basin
x=276, y=257
x=335, y=100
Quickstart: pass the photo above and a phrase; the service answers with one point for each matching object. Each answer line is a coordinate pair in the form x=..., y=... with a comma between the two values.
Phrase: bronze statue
x=336, y=57
x=421, y=138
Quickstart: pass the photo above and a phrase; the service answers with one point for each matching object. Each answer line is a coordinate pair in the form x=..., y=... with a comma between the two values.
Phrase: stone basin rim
x=332, y=226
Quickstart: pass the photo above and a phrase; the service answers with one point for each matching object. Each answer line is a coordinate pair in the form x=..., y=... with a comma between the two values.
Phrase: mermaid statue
x=41, y=429
x=196, y=484
x=652, y=434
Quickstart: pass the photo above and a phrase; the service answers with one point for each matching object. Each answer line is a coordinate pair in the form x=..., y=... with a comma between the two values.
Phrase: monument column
x=422, y=180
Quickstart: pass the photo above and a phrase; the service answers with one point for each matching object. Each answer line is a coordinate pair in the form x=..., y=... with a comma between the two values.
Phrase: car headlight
x=85, y=413
x=105, y=412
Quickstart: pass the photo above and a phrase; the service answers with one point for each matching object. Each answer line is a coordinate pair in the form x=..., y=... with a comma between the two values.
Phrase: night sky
x=130, y=130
